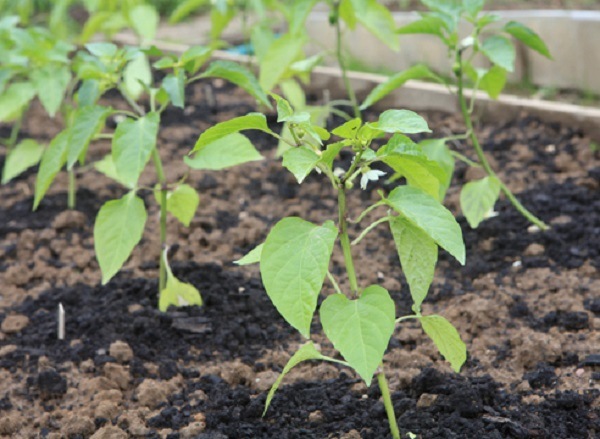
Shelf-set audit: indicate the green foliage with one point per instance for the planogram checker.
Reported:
(360, 329)
(446, 338)
(496, 45)
(133, 143)
(177, 293)
(294, 259)
(477, 199)
(117, 230)
(293, 265)
(225, 152)
(25, 155)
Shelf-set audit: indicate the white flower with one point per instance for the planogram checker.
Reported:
(371, 175)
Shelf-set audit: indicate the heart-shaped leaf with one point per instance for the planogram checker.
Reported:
(293, 266)
(360, 329)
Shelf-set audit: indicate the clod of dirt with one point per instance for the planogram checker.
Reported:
(51, 384)
(150, 393)
(109, 432)
(10, 424)
(14, 323)
(118, 374)
(77, 425)
(69, 219)
(543, 376)
(120, 351)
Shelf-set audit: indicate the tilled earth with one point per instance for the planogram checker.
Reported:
(527, 304)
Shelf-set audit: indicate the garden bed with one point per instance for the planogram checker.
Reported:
(526, 304)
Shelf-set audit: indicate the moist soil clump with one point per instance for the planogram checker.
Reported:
(525, 303)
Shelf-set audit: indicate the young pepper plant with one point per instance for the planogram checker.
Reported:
(120, 223)
(295, 257)
(494, 44)
(35, 63)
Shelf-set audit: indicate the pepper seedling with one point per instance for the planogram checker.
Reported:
(295, 257)
(477, 198)
(120, 223)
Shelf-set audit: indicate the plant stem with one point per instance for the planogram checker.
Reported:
(162, 276)
(387, 402)
(340, 59)
(480, 155)
(345, 240)
(72, 189)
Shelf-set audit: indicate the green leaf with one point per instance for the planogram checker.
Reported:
(293, 93)
(419, 172)
(419, 71)
(231, 150)
(493, 81)
(418, 255)
(185, 8)
(52, 161)
(500, 51)
(427, 213)
(240, 76)
(136, 73)
(251, 121)
(177, 293)
(349, 129)
(284, 110)
(332, 151)
(360, 329)
(87, 122)
(299, 10)
(426, 25)
(117, 230)
(378, 20)
(132, 146)
(182, 202)
(107, 167)
(304, 353)
(300, 161)
(477, 199)
(174, 85)
(51, 83)
(401, 121)
(438, 151)
(252, 257)
(14, 100)
(293, 266)
(282, 53)
(144, 21)
(473, 7)
(88, 93)
(102, 50)
(26, 154)
(528, 37)
(447, 340)
(195, 57)
(220, 19)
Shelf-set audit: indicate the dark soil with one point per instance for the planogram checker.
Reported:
(526, 304)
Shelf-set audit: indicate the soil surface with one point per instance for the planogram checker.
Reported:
(526, 304)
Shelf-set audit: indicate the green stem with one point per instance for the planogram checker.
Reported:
(387, 402)
(368, 229)
(162, 276)
(340, 59)
(345, 240)
(72, 189)
(481, 156)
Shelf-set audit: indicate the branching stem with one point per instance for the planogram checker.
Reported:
(479, 151)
